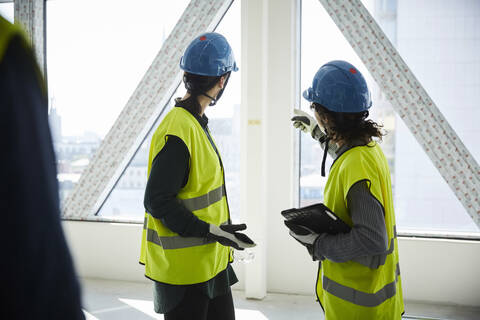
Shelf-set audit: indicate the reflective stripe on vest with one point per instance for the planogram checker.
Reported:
(175, 242)
(359, 297)
(204, 201)
(193, 204)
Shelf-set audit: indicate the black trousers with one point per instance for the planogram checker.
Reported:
(197, 306)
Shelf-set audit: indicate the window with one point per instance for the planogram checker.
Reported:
(439, 43)
(97, 52)
(6, 11)
(224, 124)
(224, 119)
(322, 41)
(125, 202)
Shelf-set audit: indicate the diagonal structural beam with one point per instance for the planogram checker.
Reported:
(410, 101)
(138, 116)
(31, 15)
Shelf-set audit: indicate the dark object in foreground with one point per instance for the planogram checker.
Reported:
(317, 218)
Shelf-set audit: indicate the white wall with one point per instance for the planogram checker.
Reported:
(441, 271)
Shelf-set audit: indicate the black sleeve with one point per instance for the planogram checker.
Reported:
(39, 280)
(169, 173)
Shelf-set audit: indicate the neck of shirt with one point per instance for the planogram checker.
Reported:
(347, 146)
(202, 119)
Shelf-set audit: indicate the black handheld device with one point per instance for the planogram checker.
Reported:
(317, 218)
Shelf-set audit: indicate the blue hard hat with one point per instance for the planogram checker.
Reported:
(209, 54)
(339, 87)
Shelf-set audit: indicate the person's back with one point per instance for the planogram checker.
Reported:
(38, 277)
(372, 288)
(358, 274)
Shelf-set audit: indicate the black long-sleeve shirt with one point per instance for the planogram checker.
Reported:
(38, 278)
(168, 174)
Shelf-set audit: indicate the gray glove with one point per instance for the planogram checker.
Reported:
(308, 124)
(229, 236)
(304, 122)
(306, 237)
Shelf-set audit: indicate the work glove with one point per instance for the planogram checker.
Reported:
(228, 235)
(306, 237)
(307, 124)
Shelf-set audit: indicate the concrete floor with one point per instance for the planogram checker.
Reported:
(105, 300)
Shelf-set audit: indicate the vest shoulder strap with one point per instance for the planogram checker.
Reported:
(360, 163)
(182, 124)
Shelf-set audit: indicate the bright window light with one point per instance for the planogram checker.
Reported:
(93, 69)
(439, 42)
(126, 199)
(6, 11)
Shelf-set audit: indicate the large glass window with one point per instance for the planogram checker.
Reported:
(438, 41)
(7, 10)
(125, 202)
(322, 41)
(225, 117)
(97, 52)
(126, 199)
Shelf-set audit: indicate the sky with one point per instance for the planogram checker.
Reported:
(322, 42)
(6, 10)
(94, 67)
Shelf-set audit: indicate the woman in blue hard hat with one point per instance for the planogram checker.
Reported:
(359, 275)
(188, 235)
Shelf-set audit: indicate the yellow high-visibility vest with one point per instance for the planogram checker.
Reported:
(7, 32)
(367, 287)
(168, 257)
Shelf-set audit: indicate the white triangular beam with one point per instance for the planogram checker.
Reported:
(410, 101)
(138, 116)
(31, 15)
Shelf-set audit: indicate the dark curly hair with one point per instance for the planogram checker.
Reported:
(345, 126)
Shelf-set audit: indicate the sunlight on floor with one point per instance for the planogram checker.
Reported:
(244, 314)
(146, 307)
(89, 316)
(117, 300)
